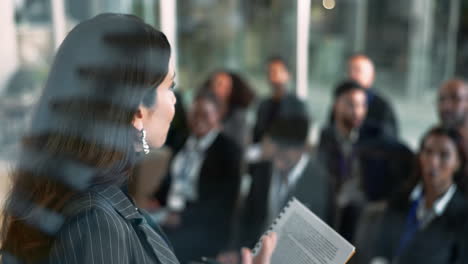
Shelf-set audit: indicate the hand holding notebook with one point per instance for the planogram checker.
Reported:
(302, 237)
(269, 242)
(263, 257)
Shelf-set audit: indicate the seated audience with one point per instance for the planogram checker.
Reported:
(235, 96)
(362, 167)
(338, 152)
(452, 104)
(452, 108)
(268, 109)
(427, 222)
(201, 191)
(381, 118)
(292, 171)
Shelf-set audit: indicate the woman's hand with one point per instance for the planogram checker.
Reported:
(264, 256)
(229, 257)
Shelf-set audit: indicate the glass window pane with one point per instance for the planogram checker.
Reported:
(236, 35)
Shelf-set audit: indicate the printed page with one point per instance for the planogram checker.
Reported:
(305, 238)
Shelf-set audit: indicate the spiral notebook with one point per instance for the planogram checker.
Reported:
(304, 238)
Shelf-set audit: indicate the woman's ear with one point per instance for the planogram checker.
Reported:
(138, 119)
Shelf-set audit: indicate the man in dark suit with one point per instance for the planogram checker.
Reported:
(337, 143)
(203, 185)
(292, 171)
(268, 109)
(362, 166)
(381, 116)
(452, 108)
(452, 104)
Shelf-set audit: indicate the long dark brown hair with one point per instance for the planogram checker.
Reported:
(242, 94)
(82, 134)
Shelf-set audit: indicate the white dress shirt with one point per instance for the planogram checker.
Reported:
(280, 186)
(426, 215)
(185, 170)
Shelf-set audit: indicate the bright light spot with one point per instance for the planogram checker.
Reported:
(329, 4)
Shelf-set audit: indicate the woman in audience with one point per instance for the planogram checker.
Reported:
(235, 95)
(427, 223)
(108, 96)
(203, 185)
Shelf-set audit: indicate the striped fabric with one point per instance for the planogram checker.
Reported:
(103, 226)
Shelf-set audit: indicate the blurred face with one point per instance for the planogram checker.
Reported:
(439, 161)
(285, 158)
(222, 86)
(203, 117)
(278, 74)
(351, 109)
(361, 70)
(453, 104)
(157, 119)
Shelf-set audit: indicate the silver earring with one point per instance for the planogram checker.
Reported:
(144, 143)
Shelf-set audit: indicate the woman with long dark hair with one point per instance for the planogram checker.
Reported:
(427, 223)
(235, 96)
(108, 99)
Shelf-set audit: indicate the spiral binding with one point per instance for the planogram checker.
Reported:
(273, 225)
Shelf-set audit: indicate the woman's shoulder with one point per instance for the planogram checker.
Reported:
(92, 231)
(86, 202)
(457, 210)
(90, 210)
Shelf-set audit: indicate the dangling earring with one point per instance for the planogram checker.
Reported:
(144, 143)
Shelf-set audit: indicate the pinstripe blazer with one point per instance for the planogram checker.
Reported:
(103, 226)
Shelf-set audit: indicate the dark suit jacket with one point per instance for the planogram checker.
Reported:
(312, 189)
(103, 226)
(443, 241)
(384, 162)
(380, 120)
(380, 116)
(269, 110)
(206, 223)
